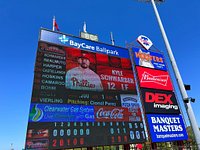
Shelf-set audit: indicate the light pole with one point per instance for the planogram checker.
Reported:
(177, 75)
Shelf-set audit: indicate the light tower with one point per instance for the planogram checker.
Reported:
(184, 95)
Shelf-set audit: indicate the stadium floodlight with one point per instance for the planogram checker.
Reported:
(184, 95)
(186, 100)
(155, 1)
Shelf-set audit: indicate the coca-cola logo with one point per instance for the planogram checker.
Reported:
(110, 114)
(161, 79)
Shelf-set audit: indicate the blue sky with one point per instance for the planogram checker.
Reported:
(127, 19)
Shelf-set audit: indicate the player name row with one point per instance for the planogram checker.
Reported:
(86, 102)
(51, 66)
(47, 55)
(80, 83)
(52, 61)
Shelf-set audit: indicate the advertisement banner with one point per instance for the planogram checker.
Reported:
(60, 113)
(159, 101)
(131, 102)
(155, 79)
(166, 128)
(149, 59)
(116, 114)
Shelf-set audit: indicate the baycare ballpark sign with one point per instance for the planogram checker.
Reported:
(165, 128)
(75, 42)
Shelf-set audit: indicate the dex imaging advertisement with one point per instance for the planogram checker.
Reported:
(165, 128)
(84, 95)
(159, 101)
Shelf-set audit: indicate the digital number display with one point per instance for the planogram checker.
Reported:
(83, 134)
(84, 95)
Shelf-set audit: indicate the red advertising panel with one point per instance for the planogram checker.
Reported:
(155, 79)
(116, 114)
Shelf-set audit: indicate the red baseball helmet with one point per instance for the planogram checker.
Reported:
(85, 55)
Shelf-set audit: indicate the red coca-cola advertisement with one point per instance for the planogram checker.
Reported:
(114, 114)
(155, 79)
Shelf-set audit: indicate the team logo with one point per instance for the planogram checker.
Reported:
(64, 39)
(36, 113)
(38, 133)
(129, 99)
(37, 144)
(144, 41)
(161, 79)
(82, 83)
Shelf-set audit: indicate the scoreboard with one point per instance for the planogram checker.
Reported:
(84, 94)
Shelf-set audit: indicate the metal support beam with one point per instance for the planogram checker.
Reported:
(184, 95)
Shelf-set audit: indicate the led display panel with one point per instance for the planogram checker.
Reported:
(84, 95)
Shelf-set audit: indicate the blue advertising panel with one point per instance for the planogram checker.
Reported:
(75, 42)
(60, 113)
(166, 128)
(149, 59)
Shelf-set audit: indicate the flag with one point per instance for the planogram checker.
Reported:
(84, 27)
(112, 39)
(55, 25)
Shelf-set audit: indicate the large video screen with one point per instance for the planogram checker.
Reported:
(84, 95)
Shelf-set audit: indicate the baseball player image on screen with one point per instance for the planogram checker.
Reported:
(82, 77)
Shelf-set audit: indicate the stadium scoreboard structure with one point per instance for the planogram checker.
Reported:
(84, 94)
